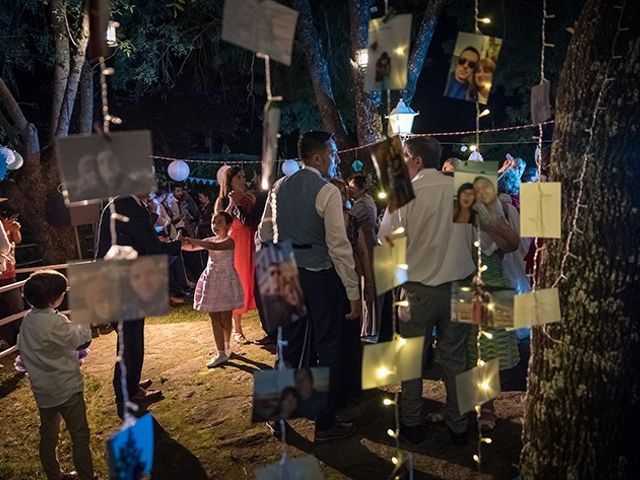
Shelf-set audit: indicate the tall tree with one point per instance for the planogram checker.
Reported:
(584, 377)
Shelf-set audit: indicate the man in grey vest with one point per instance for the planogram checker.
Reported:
(308, 211)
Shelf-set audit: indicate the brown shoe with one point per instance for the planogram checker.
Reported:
(147, 397)
(144, 384)
(339, 431)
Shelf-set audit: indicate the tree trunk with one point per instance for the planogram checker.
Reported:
(71, 89)
(584, 388)
(421, 47)
(319, 71)
(85, 117)
(368, 119)
(62, 59)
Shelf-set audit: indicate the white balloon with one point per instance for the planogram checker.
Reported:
(289, 167)
(8, 155)
(178, 170)
(222, 172)
(17, 162)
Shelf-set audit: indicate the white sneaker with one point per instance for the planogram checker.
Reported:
(240, 339)
(218, 360)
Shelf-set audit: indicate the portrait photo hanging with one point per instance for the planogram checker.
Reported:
(388, 53)
(473, 67)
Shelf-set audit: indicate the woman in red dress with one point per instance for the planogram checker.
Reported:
(235, 199)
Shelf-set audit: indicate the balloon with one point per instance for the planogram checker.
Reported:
(222, 172)
(289, 167)
(178, 170)
(17, 163)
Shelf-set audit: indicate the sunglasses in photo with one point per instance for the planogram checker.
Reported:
(463, 61)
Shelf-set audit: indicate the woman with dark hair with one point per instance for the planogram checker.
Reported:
(235, 199)
(463, 208)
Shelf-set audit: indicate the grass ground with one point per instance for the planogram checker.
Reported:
(204, 429)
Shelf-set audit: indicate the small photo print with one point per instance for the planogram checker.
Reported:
(390, 265)
(478, 385)
(392, 362)
(491, 308)
(540, 102)
(270, 127)
(475, 190)
(94, 167)
(262, 26)
(289, 393)
(279, 285)
(388, 158)
(537, 308)
(473, 67)
(113, 290)
(388, 53)
(299, 468)
(130, 451)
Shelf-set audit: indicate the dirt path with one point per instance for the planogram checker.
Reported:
(203, 426)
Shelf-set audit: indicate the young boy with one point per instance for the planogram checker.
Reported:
(49, 344)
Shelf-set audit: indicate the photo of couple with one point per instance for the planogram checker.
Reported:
(475, 191)
(472, 67)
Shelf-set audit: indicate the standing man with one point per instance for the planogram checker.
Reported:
(139, 234)
(437, 254)
(461, 78)
(309, 212)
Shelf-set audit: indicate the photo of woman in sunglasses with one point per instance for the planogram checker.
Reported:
(472, 67)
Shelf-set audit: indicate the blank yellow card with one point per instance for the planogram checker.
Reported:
(392, 362)
(390, 265)
(540, 209)
(478, 385)
(536, 308)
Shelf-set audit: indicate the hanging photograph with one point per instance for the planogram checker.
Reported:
(540, 102)
(288, 393)
(475, 191)
(113, 290)
(270, 126)
(392, 362)
(390, 265)
(388, 159)
(130, 451)
(478, 385)
(299, 468)
(262, 26)
(279, 285)
(388, 53)
(491, 307)
(472, 67)
(536, 308)
(540, 214)
(95, 167)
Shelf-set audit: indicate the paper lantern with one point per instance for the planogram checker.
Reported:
(289, 167)
(222, 172)
(178, 170)
(17, 162)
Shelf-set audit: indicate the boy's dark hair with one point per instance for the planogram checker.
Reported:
(310, 142)
(226, 215)
(427, 148)
(44, 287)
(361, 181)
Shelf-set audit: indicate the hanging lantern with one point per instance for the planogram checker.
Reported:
(112, 39)
(401, 119)
(289, 167)
(178, 170)
(17, 162)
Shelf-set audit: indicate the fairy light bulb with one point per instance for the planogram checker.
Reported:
(486, 440)
(397, 231)
(387, 402)
(485, 20)
(394, 460)
(382, 195)
(473, 148)
(476, 458)
(487, 334)
(484, 385)
(484, 113)
(392, 433)
(383, 372)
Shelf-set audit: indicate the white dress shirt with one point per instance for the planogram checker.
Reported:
(48, 344)
(329, 207)
(438, 250)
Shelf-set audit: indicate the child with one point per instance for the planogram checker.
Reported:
(49, 345)
(219, 290)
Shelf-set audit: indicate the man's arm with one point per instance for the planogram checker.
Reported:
(144, 237)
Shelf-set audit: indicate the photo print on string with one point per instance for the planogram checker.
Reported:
(299, 468)
(388, 159)
(475, 191)
(288, 393)
(392, 362)
(388, 53)
(96, 167)
(262, 26)
(390, 264)
(537, 308)
(478, 385)
(493, 307)
(113, 290)
(279, 285)
(130, 451)
(540, 102)
(270, 127)
(473, 67)
(540, 209)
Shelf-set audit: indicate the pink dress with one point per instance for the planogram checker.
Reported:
(219, 288)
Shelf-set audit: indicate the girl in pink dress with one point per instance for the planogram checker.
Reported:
(218, 290)
(236, 200)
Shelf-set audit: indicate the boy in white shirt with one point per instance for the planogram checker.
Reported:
(49, 344)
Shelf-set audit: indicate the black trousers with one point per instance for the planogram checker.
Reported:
(322, 344)
(258, 299)
(133, 337)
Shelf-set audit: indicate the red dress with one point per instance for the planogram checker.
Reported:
(244, 262)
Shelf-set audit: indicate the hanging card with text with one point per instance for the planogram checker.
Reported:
(390, 265)
(540, 213)
(536, 308)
